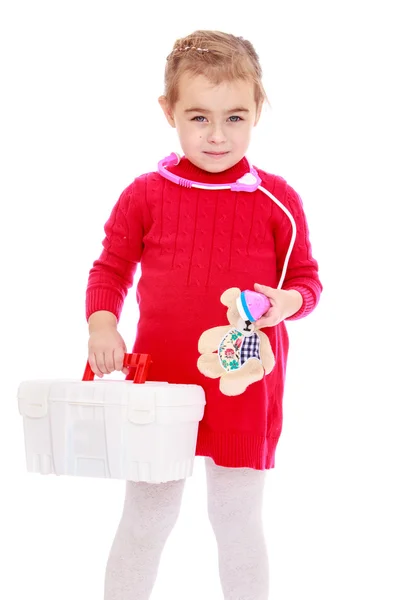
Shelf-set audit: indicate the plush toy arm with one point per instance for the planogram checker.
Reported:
(210, 340)
(266, 354)
(209, 365)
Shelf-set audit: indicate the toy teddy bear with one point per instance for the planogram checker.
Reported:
(237, 353)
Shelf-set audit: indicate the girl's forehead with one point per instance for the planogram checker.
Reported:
(198, 88)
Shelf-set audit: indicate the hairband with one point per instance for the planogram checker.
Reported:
(185, 49)
(191, 48)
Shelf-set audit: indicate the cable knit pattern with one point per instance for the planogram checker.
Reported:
(193, 245)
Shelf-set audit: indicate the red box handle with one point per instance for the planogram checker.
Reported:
(138, 365)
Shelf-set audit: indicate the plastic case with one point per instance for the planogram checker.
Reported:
(111, 429)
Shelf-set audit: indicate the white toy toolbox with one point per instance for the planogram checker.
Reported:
(129, 429)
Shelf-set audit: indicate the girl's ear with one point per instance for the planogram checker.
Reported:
(167, 111)
(228, 298)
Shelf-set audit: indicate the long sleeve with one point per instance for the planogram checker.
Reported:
(302, 272)
(112, 273)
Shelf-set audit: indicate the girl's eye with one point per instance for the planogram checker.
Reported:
(232, 119)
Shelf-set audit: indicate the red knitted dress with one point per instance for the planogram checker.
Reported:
(193, 245)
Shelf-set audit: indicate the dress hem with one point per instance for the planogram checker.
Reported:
(235, 450)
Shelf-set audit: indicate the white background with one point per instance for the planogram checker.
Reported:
(79, 120)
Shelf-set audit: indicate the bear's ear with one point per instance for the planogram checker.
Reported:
(229, 296)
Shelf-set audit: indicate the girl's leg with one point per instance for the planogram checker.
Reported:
(235, 511)
(149, 515)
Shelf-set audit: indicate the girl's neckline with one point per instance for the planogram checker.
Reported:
(188, 170)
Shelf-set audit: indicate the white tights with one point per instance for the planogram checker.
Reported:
(150, 514)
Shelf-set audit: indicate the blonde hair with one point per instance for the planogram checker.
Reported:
(216, 55)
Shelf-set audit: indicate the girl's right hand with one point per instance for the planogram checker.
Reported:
(106, 350)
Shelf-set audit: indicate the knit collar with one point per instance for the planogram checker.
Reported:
(188, 170)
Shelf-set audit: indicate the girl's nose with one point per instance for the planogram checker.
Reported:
(216, 136)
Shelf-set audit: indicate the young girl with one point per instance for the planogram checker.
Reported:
(193, 244)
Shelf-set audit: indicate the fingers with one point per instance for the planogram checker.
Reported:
(103, 363)
(106, 350)
(264, 289)
(93, 365)
(109, 361)
(119, 359)
(271, 319)
(119, 355)
(274, 315)
(265, 322)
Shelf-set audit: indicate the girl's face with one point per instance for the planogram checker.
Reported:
(214, 123)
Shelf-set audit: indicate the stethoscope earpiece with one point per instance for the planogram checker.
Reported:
(175, 159)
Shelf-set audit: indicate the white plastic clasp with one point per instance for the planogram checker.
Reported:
(33, 399)
(142, 410)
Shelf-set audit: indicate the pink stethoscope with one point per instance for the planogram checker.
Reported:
(251, 305)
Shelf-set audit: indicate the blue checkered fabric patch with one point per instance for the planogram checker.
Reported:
(250, 348)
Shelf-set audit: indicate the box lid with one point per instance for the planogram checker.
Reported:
(34, 395)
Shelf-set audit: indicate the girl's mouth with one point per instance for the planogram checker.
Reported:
(216, 154)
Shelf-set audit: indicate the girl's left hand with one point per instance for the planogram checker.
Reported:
(284, 304)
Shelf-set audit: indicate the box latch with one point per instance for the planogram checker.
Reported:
(33, 401)
(142, 409)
